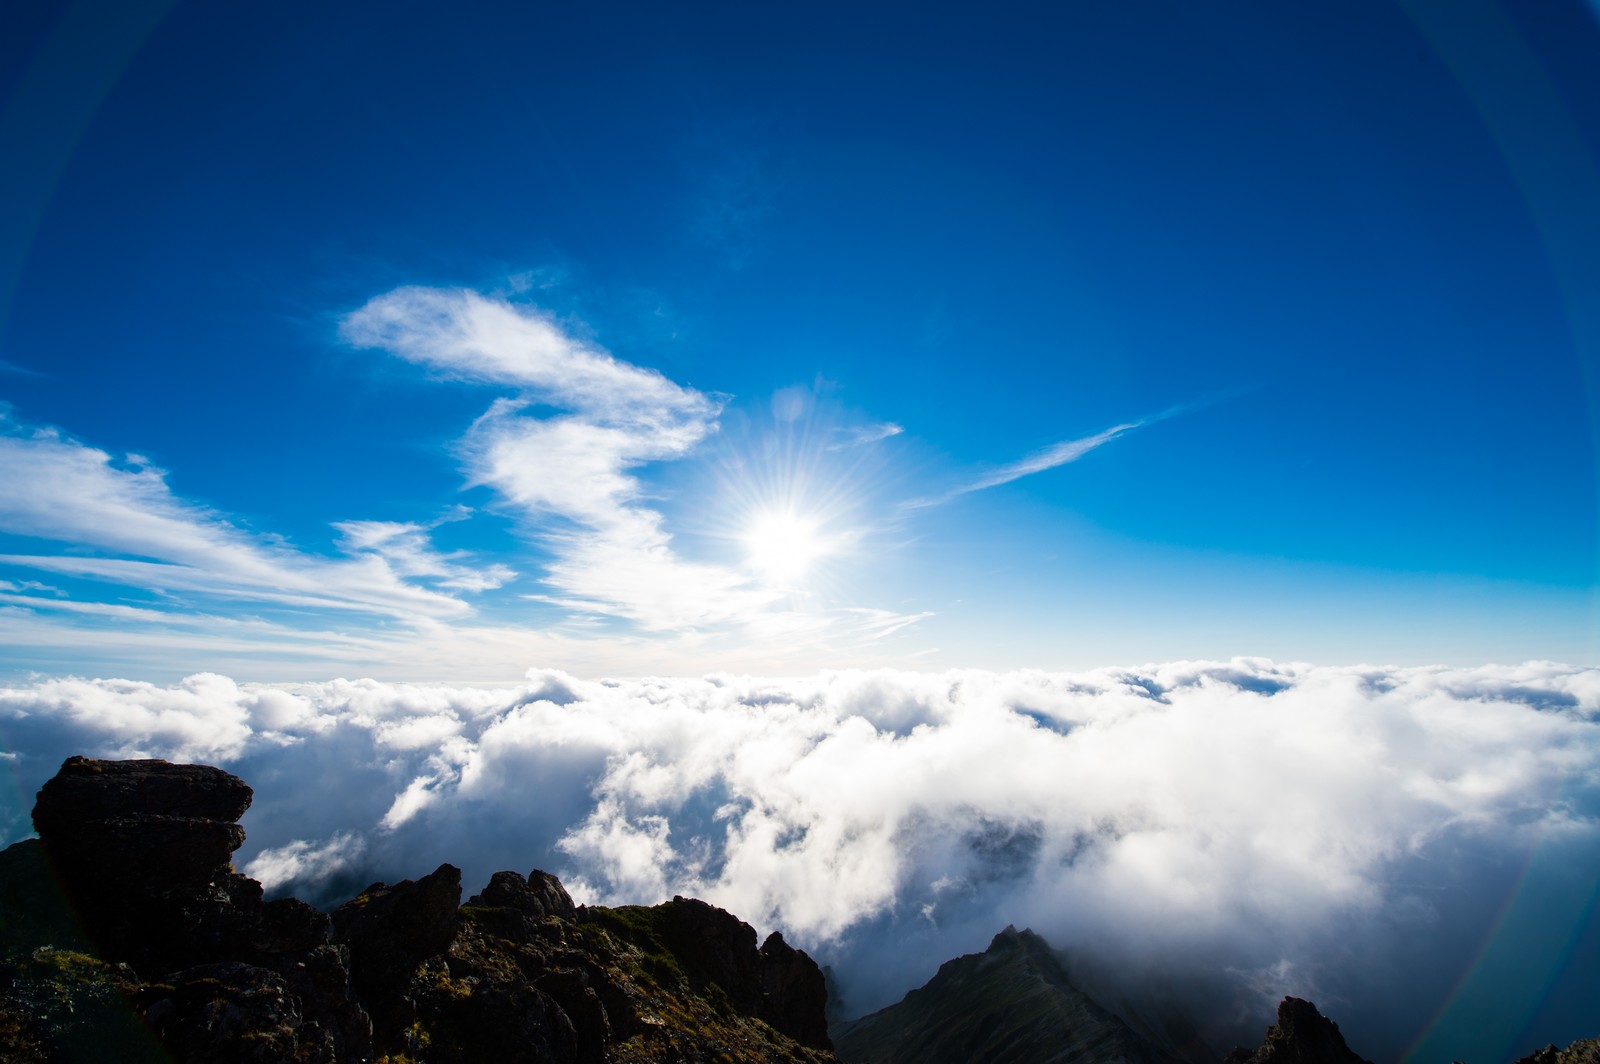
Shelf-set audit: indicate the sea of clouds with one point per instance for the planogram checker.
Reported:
(1213, 834)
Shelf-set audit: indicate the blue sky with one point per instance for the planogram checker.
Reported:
(624, 340)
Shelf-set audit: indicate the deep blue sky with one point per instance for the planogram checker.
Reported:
(1353, 255)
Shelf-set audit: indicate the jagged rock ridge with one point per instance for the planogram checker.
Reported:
(153, 949)
(1302, 1035)
(1583, 1051)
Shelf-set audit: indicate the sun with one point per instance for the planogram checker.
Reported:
(780, 546)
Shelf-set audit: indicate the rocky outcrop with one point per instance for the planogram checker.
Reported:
(153, 948)
(1583, 1051)
(143, 849)
(1302, 1035)
(389, 932)
(1012, 1004)
(540, 894)
(713, 948)
(142, 852)
(233, 1012)
(794, 992)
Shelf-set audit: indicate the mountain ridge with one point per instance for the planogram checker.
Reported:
(125, 929)
(1012, 1002)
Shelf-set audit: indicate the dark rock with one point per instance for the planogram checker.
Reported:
(713, 946)
(505, 1020)
(1583, 1051)
(321, 979)
(231, 1012)
(164, 828)
(540, 895)
(507, 959)
(155, 855)
(390, 930)
(553, 897)
(289, 927)
(142, 849)
(794, 993)
(63, 1006)
(86, 789)
(573, 989)
(1302, 1035)
(1012, 1004)
(34, 910)
(782, 987)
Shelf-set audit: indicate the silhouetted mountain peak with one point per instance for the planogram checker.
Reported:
(1012, 939)
(1012, 1003)
(1302, 1035)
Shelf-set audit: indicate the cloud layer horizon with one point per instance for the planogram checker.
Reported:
(1223, 832)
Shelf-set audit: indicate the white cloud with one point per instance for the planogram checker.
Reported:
(861, 435)
(301, 860)
(463, 334)
(206, 717)
(571, 475)
(1050, 457)
(615, 556)
(418, 795)
(1057, 454)
(44, 638)
(56, 488)
(405, 546)
(1210, 823)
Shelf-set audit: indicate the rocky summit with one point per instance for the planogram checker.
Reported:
(1583, 1051)
(126, 935)
(1011, 1004)
(1302, 1035)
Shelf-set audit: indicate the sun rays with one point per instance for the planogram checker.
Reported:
(781, 546)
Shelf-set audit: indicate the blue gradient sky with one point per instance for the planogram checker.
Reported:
(1315, 292)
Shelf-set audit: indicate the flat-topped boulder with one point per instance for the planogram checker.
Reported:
(145, 826)
(143, 851)
(87, 789)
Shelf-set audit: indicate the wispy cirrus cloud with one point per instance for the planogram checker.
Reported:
(406, 547)
(861, 435)
(124, 525)
(1057, 454)
(1051, 457)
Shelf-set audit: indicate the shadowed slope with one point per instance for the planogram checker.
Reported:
(1012, 1003)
